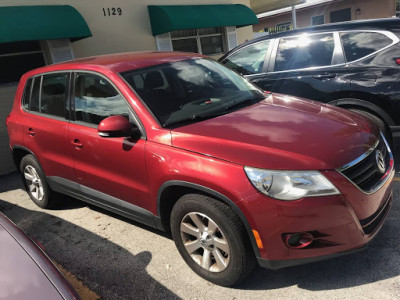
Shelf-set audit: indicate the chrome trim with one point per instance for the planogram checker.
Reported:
(388, 34)
(357, 160)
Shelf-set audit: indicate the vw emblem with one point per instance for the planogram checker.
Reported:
(380, 161)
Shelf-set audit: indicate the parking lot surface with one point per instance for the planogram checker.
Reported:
(121, 259)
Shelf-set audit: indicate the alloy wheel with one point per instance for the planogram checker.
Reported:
(205, 242)
(33, 182)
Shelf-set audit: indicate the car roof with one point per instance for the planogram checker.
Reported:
(377, 24)
(386, 23)
(118, 62)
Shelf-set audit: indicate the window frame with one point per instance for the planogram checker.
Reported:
(39, 113)
(132, 114)
(338, 53)
(337, 56)
(312, 17)
(198, 37)
(397, 6)
(388, 34)
(71, 89)
(67, 96)
(267, 57)
(19, 53)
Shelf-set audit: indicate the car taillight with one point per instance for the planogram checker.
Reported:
(397, 61)
(7, 119)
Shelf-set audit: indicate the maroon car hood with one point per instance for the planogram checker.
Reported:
(20, 276)
(281, 132)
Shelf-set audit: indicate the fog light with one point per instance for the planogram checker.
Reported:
(298, 240)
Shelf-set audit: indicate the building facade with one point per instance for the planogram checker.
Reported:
(34, 33)
(326, 11)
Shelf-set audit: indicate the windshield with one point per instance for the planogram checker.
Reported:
(191, 90)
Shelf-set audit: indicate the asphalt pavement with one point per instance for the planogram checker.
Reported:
(121, 259)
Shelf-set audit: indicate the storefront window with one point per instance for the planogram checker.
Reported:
(206, 41)
(18, 58)
(398, 8)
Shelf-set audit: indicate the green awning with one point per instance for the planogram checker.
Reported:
(166, 18)
(28, 23)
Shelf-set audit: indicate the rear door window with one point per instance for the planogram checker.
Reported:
(248, 60)
(357, 45)
(54, 94)
(304, 51)
(35, 94)
(27, 93)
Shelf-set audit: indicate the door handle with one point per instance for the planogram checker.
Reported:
(31, 132)
(77, 144)
(324, 76)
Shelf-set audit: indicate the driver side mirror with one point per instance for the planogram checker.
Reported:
(117, 126)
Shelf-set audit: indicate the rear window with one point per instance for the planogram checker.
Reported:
(304, 51)
(357, 45)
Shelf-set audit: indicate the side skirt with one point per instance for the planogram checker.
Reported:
(102, 200)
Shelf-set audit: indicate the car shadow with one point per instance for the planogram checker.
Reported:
(121, 270)
(379, 261)
(106, 268)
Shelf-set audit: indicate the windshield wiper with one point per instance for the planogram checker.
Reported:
(195, 118)
(242, 103)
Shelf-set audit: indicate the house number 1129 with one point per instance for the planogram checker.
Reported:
(112, 11)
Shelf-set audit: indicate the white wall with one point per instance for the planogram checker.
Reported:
(129, 32)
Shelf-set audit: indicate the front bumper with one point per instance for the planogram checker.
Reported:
(341, 224)
(279, 264)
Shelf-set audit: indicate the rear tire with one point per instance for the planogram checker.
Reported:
(211, 239)
(35, 182)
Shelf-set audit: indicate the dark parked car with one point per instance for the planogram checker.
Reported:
(181, 143)
(354, 65)
(25, 270)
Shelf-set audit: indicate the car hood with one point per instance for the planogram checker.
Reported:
(20, 275)
(281, 132)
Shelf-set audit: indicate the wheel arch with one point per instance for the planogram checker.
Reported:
(171, 191)
(364, 105)
(18, 152)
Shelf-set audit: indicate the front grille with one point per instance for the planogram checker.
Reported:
(365, 173)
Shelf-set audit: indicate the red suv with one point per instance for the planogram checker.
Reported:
(179, 142)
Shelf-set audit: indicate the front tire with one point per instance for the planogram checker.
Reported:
(35, 182)
(211, 239)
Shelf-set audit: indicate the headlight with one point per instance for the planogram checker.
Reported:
(290, 185)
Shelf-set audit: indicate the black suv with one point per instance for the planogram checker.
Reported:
(355, 65)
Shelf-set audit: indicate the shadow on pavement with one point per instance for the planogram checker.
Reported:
(106, 268)
(110, 270)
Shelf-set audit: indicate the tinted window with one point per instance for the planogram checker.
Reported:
(54, 94)
(304, 51)
(359, 44)
(341, 15)
(249, 60)
(18, 58)
(96, 99)
(27, 93)
(191, 90)
(34, 103)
